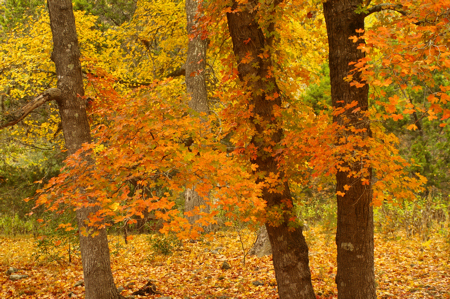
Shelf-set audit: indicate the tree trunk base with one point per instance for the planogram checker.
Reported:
(262, 245)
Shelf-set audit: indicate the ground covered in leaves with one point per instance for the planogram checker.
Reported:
(405, 268)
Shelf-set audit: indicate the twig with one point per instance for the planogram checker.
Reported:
(242, 244)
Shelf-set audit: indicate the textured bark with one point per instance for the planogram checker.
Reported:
(196, 89)
(98, 279)
(354, 238)
(262, 244)
(290, 251)
(196, 61)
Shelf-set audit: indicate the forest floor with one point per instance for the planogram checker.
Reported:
(405, 268)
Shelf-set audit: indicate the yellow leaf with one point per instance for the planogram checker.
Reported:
(114, 206)
(412, 127)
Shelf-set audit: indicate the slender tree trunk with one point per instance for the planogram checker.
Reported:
(196, 60)
(290, 251)
(354, 238)
(98, 279)
(196, 89)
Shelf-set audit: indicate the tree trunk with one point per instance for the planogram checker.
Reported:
(290, 251)
(262, 244)
(196, 89)
(98, 279)
(193, 200)
(196, 60)
(354, 238)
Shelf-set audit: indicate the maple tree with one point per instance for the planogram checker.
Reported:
(289, 248)
(94, 248)
(355, 221)
(354, 236)
(66, 56)
(195, 79)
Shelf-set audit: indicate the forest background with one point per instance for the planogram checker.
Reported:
(133, 57)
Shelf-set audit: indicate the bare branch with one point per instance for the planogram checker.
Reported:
(386, 6)
(18, 115)
(178, 72)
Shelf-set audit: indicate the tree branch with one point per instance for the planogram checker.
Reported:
(130, 83)
(178, 72)
(386, 6)
(18, 115)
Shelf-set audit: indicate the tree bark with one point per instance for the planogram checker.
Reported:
(196, 89)
(290, 251)
(354, 238)
(196, 60)
(98, 279)
(262, 244)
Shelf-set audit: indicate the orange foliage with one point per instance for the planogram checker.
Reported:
(410, 46)
(142, 161)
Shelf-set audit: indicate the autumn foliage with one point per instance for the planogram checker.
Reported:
(149, 146)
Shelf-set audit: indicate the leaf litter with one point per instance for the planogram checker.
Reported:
(404, 268)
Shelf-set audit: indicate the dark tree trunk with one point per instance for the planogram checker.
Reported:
(290, 251)
(196, 89)
(354, 238)
(98, 279)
